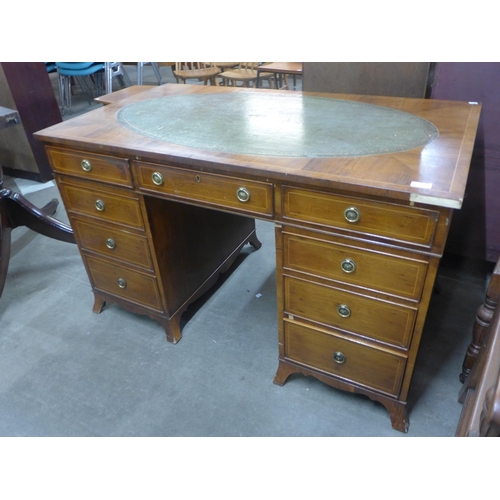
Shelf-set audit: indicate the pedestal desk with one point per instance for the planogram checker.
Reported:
(162, 189)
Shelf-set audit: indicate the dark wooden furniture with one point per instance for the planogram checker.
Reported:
(358, 237)
(399, 79)
(16, 211)
(476, 232)
(480, 393)
(483, 319)
(26, 88)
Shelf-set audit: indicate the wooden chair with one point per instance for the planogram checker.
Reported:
(247, 74)
(224, 66)
(480, 375)
(483, 319)
(202, 71)
(480, 393)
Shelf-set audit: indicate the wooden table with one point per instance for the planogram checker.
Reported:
(279, 69)
(162, 189)
(16, 211)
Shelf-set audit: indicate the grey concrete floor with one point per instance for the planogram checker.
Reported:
(66, 371)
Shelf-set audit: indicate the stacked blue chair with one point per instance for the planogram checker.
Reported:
(88, 75)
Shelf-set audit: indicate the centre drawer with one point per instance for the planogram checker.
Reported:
(343, 261)
(359, 363)
(390, 221)
(122, 282)
(372, 318)
(215, 190)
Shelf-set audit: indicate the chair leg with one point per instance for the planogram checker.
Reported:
(61, 83)
(157, 73)
(140, 72)
(89, 89)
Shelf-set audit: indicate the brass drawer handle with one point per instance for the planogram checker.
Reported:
(110, 243)
(339, 357)
(86, 165)
(343, 310)
(122, 283)
(157, 178)
(352, 215)
(99, 204)
(243, 194)
(348, 266)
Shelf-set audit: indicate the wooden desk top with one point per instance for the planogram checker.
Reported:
(433, 174)
(290, 68)
(122, 94)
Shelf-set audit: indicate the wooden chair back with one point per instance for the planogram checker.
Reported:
(202, 71)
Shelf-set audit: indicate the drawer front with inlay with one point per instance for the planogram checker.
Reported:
(379, 271)
(371, 318)
(125, 283)
(407, 224)
(111, 242)
(373, 368)
(91, 166)
(107, 206)
(225, 192)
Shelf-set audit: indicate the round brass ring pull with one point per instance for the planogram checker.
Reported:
(348, 266)
(343, 310)
(122, 283)
(243, 194)
(352, 215)
(110, 243)
(339, 357)
(86, 165)
(157, 178)
(99, 204)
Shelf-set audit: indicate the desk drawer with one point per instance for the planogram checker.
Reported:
(364, 365)
(369, 317)
(95, 167)
(377, 271)
(125, 283)
(214, 190)
(111, 242)
(106, 206)
(391, 221)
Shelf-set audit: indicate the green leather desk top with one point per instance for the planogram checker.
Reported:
(277, 125)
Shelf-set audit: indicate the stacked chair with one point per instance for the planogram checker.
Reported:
(94, 78)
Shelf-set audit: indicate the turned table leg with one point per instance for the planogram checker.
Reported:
(483, 319)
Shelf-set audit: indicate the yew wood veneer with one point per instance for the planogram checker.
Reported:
(358, 236)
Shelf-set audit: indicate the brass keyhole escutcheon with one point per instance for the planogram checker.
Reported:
(243, 194)
(339, 357)
(86, 165)
(122, 283)
(352, 215)
(348, 266)
(343, 310)
(110, 243)
(99, 204)
(157, 178)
